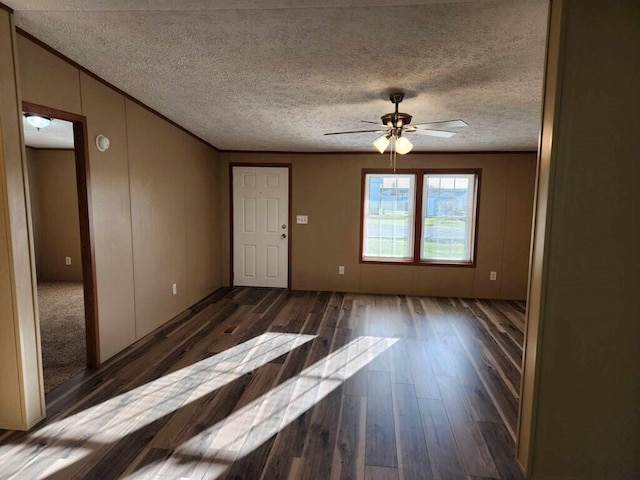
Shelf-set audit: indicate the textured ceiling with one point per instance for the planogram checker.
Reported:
(277, 74)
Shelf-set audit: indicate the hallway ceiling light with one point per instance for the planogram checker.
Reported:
(37, 121)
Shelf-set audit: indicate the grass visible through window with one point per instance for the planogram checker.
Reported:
(445, 248)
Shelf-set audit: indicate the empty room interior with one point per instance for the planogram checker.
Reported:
(55, 221)
(319, 240)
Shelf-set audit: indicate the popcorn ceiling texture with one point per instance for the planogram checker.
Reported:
(279, 75)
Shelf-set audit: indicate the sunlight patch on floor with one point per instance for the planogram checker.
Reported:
(248, 428)
(114, 419)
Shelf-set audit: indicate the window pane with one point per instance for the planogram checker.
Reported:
(448, 213)
(388, 216)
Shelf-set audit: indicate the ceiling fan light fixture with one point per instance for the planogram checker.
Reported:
(396, 124)
(403, 145)
(37, 121)
(382, 142)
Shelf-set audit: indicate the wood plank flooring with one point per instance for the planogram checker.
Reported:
(263, 384)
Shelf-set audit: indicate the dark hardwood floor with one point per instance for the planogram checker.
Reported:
(272, 384)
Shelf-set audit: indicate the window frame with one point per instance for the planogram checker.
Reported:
(418, 209)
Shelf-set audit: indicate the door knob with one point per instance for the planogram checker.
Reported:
(284, 235)
(284, 226)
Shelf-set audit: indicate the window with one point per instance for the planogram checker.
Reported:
(440, 230)
(388, 217)
(448, 217)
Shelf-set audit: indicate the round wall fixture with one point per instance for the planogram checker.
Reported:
(102, 143)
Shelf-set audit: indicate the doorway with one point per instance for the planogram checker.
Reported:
(58, 171)
(260, 217)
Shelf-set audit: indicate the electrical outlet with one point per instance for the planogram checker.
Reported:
(493, 275)
(67, 260)
(341, 270)
(174, 288)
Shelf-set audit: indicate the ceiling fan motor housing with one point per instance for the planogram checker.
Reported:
(396, 119)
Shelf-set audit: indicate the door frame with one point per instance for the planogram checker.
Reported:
(231, 239)
(83, 181)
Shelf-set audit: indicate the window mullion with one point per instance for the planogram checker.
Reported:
(417, 217)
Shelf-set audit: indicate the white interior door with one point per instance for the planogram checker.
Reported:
(260, 226)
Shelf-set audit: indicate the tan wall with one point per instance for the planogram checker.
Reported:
(158, 217)
(37, 68)
(327, 188)
(154, 201)
(202, 217)
(11, 414)
(32, 171)
(584, 372)
(56, 224)
(21, 395)
(111, 206)
(185, 235)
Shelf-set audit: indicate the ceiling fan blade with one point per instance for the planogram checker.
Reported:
(433, 133)
(357, 131)
(445, 124)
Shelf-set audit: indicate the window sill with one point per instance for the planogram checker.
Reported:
(446, 263)
(388, 261)
(421, 263)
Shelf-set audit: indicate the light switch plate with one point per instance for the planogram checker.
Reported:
(302, 219)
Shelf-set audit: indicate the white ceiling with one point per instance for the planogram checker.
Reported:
(277, 74)
(59, 134)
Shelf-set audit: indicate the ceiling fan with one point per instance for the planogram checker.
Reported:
(395, 125)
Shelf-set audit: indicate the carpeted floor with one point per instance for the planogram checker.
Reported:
(62, 331)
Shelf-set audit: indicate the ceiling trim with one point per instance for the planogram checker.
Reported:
(63, 57)
(414, 152)
(6, 7)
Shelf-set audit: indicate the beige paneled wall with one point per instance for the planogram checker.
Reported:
(202, 224)
(327, 188)
(33, 197)
(21, 395)
(111, 206)
(581, 396)
(519, 211)
(491, 229)
(11, 411)
(56, 225)
(46, 80)
(158, 217)
(154, 197)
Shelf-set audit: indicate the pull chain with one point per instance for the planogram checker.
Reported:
(393, 155)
